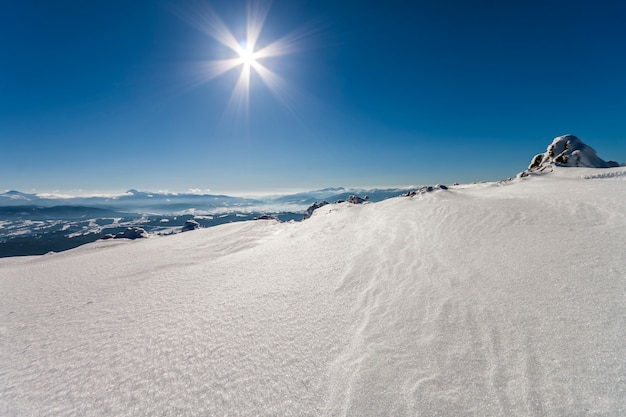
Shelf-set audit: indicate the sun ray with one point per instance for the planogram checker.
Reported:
(205, 19)
(270, 78)
(289, 43)
(222, 34)
(214, 69)
(240, 97)
(256, 15)
(276, 84)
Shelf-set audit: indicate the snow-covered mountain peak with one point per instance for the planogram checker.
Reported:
(15, 196)
(135, 193)
(568, 151)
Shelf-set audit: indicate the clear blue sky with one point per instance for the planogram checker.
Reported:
(105, 95)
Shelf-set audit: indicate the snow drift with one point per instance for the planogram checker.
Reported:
(485, 299)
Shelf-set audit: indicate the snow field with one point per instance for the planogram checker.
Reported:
(485, 300)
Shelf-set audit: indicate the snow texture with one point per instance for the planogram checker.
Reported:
(481, 300)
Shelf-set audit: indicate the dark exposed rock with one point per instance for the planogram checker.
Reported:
(425, 189)
(312, 208)
(190, 225)
(130, 233)
(536, 161)
(266, 217)
(355, 199)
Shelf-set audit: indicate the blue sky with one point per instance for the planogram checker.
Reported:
(107, 95)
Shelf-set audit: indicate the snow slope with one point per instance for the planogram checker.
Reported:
(482, 300)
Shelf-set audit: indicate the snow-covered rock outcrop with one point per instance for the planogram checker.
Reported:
(355, 199)
(266, 217)
(352, 199)
(568, 151)
(425, 189)
(190, 225)
(129, 233)
(312, 208)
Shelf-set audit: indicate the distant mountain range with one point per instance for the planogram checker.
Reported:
(132, 201)
(171, 203)
(331, 195)
(32, 224)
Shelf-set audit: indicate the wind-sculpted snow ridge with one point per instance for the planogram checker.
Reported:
(476, 301)
(567, 151)
(610, 174)
(425, 189)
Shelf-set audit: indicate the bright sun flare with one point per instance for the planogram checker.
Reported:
(247, 55)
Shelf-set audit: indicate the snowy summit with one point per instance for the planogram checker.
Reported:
(491, 299)
(569, 151)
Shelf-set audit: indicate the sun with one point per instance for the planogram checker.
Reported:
(247, 56)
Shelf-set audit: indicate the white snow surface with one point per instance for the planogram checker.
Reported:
(483, 300)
